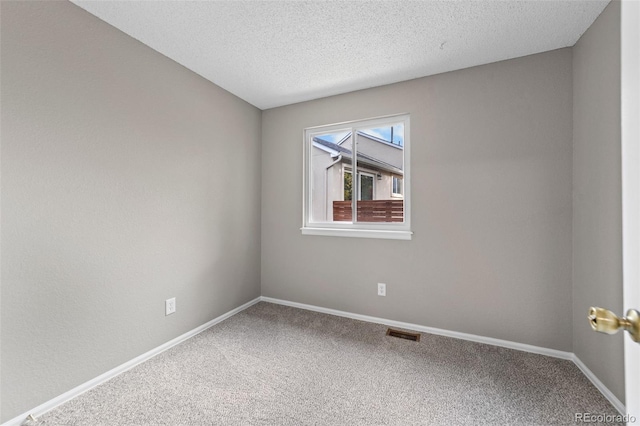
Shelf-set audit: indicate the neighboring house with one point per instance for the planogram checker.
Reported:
(380, 172)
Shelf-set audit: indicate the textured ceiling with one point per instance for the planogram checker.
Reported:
(273, 53)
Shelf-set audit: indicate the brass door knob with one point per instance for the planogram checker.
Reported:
(605, 321)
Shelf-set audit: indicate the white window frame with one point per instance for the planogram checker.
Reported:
(344, 172)
(373, 184)
(394, 230)
(397, 194)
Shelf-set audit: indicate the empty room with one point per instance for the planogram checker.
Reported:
(308, 212)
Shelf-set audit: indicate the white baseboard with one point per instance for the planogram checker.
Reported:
(599, 385)
(53, 403)
(441, 332)
(465, 336)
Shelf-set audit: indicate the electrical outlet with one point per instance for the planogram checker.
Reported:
(382, 289)
(169, 306)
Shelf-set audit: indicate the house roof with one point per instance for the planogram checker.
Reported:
(362, 158)
(331, 145)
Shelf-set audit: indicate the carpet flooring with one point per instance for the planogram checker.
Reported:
(277, 365)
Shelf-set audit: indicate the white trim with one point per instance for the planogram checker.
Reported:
(406, 172)
(78, 390)
(630, 150)
(373, 185)
(439, 331)
(399, 179)
(393, 230)
(344, 125)
(465, 336)
(358, 233)
(599, 385)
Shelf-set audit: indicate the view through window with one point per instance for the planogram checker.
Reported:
(360, 167)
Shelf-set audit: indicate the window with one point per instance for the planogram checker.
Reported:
(348, 185)
(361, 167)
(365, 182)
(366, 186)
(396, 186)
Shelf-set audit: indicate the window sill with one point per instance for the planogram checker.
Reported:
(358, 233)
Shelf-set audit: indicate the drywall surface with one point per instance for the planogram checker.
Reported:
(491, 208)
(126, 180)
(597, 202)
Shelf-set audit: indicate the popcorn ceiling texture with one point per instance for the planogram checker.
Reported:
(277, 53)
(277, 365)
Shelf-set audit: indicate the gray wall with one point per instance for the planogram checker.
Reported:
(597, 212)
(126, 180)
(491, 171)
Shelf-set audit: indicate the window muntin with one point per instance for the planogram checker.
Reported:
(380, 157)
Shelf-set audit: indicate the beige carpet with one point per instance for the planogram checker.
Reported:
(276, 365)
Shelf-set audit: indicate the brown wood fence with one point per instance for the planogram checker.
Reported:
(370, 211)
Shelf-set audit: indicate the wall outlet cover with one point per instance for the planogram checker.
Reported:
(170, 306)
(382, 289)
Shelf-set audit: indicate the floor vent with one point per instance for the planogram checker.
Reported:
(403, 335)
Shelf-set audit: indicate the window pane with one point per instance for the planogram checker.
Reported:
(366, 187)
(380, 164)
(397, 186)
(330, 184)
(348, 186)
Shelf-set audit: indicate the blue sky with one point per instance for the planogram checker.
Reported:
(380, 132)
